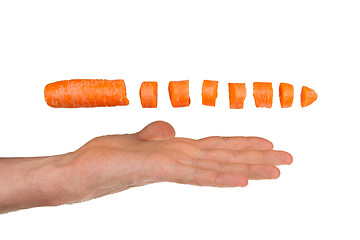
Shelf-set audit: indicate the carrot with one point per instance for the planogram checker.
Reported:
(78, 93)
(148, 94)
(286, 95)
(237, 95)
(179, 93)
(263, 94)
(308, 96)
(209, 92)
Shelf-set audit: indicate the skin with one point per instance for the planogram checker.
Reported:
(114, 163)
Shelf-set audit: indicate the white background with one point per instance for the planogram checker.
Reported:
(313, 43)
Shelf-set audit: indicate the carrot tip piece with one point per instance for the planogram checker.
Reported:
(308, 96)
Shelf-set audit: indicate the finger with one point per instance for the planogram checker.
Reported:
(250, 171)
(272, 157)
(158, 130)
(186, 174)
(235, 143)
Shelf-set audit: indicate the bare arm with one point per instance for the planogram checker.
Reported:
(31, 182)
(110, 164)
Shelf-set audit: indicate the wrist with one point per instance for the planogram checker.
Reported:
(52, 181)
(34, 182)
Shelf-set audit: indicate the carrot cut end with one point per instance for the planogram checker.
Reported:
(78, 93)
(308, 96)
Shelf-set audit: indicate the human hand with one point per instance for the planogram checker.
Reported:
(113, 163)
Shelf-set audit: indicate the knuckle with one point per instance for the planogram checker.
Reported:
(195, 179)
(211, 141)
(233, 154)
(203, 153)
(216, 180)
(221, 166)
(183, 146)
(248, 140)
(246, 169)
(177, 144)
(257, 156)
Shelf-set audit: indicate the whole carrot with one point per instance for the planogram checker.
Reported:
(77, 93)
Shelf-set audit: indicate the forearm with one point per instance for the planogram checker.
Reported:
(33, 182)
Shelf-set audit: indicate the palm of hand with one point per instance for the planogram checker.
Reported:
(114, 163)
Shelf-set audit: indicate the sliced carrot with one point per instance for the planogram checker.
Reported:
(308, 96)
(286, 95)
(209, 92)
(148, 94)
(179, 93)
(237, 95)
(263, 94)
(78, 93)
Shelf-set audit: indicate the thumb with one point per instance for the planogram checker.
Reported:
(158, 130)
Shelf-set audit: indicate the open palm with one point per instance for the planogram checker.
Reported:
(114, 163)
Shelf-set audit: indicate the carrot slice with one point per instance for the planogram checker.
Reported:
(209, 92)
(286, 95)
(263, 94)
(78, 93)
(179, 93)
(308, 96)
(148, 94)
(237, 95)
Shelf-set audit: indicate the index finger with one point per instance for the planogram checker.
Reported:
(235, 143)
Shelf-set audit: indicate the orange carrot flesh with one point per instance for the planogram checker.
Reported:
(148, 94)
(209, 92)
(286, 95)
(263, 94)
(179, 93)
(237, 95)
(308, 96)
(77, 93)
